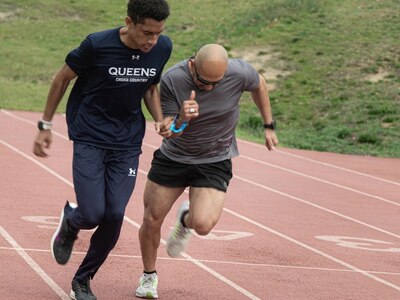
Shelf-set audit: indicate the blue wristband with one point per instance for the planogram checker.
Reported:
(180, 129)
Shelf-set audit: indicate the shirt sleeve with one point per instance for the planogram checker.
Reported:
(81, 58)
(169, 102)
(250, 76)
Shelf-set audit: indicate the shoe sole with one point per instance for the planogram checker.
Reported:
(53, 238)
(184, 206)
(147, 296)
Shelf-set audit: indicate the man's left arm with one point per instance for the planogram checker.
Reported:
(261, 99)
(153, 104)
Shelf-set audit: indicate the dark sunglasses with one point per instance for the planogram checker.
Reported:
(204, 81)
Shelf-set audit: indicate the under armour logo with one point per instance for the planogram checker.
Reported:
(132, 172)
(135, 57)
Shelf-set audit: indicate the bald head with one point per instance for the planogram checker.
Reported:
(211, 61)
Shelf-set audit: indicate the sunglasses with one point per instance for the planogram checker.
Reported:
(204, 81)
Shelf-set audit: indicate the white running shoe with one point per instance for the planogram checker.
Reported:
(147, 286)
(180, 235)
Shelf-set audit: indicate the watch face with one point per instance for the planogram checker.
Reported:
(43, 126)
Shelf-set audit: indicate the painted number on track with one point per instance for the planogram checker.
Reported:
(220, 235)
(223, 235)
(359, 243)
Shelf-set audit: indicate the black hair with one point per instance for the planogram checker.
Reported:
(138, 10)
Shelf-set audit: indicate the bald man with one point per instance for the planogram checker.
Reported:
(201, 95)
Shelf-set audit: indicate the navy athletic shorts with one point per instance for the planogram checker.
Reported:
(167, 172)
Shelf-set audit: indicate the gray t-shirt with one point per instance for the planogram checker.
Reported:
(210, 137)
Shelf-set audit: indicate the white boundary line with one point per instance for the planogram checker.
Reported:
(322, 163)
(46, 278)
(314, 205)
(217, 262)
(224, 279)
(306, 176)
(321, 180)
(130, 221)
(269, 164)
(302, 201)
(257, 146)
(202, 266)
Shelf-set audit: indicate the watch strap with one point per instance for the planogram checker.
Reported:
(271, 125)
(44, 125)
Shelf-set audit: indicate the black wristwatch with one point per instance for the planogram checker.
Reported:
(44, 125)
(270, 125)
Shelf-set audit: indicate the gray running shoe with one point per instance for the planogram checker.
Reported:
(180, 235)
(147, 286)
(64, 237)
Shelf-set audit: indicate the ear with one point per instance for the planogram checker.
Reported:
(128, 21)
(191, 63)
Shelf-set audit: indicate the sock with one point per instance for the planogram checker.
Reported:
(149, 273)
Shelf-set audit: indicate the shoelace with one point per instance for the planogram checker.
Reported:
(84, 287)
(181, 232)
(149, 282)
(68, 236)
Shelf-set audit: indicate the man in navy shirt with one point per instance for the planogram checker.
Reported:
(115, 70)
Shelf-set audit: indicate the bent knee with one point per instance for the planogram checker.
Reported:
(203, 228)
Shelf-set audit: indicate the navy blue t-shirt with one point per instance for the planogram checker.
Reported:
(104, 107)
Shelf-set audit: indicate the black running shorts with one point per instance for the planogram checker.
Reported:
(167, 172)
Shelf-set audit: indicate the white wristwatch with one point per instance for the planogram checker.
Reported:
(44, 125)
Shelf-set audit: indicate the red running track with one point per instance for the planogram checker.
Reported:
(296, 225)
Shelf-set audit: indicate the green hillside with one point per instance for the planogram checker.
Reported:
(333, 66)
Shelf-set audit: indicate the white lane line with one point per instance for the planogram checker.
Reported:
(33, 160)
(321, 180)
(209, 270)
(14, 116)
(220, 262)
(330, 257)
(323, 163)
(309, 247)
(251, 144)
(50, 282)
(268, 164)
(309, 177)
(305, 202)
(204, 267)
(316, 206)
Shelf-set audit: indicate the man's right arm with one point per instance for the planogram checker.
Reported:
(57, 90)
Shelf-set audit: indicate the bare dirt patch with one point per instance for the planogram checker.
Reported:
(262, 59)
(7, 15)
(381, 75)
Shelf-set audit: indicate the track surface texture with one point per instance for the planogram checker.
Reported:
(296, 225)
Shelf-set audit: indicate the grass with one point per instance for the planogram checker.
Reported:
(342, 60)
